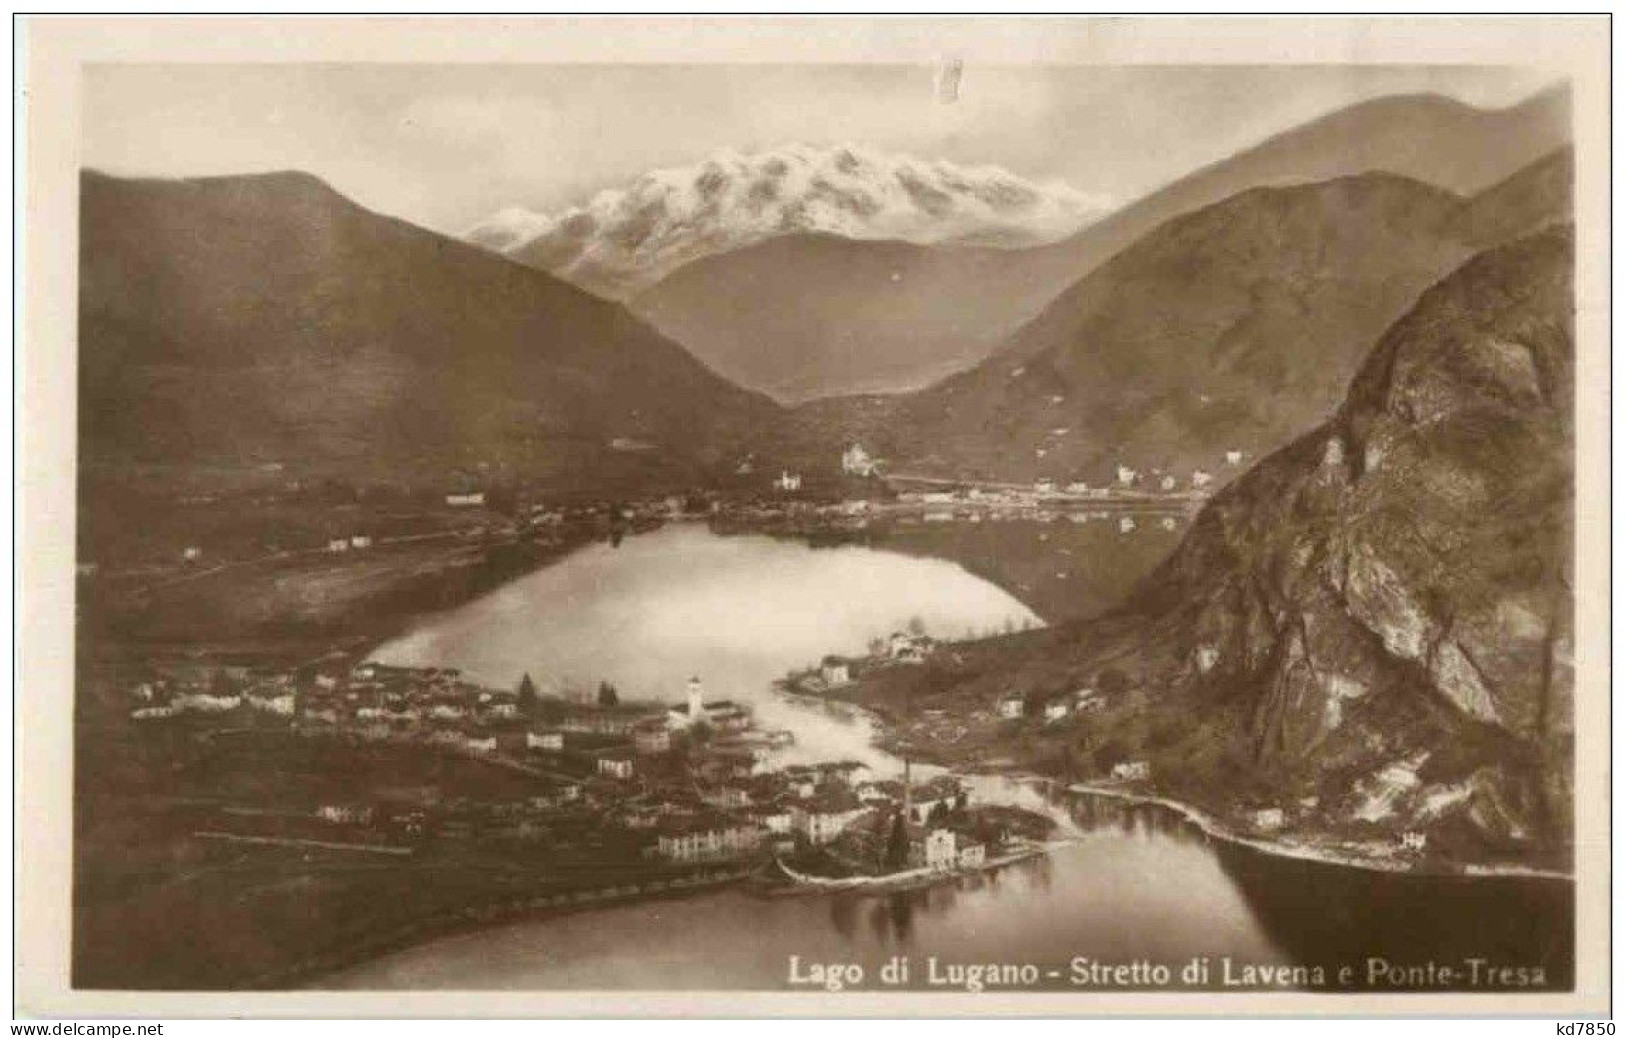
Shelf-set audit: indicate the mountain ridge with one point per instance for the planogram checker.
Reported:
(860, 336)
(268, 316)
(626, 238)
(1364, 645)
(1231, 328)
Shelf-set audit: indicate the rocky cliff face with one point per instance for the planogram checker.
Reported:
(1367, 637)
(1377, 618)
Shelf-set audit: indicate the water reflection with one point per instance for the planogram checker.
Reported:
(1136, 882)
(739, 611)
(1319, 911)
(1063, 566)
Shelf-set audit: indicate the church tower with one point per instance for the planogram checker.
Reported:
(696, 701)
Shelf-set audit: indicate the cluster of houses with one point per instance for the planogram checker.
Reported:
(905, 648)
(723, 797)
(855, 461)
(813, 806)
(1125, 479)
(213, 691)
(1054, 708)
(693, 781)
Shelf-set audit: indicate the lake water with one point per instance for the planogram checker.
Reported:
(738, 612)
(1137, 886)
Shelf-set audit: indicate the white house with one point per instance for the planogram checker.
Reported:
(788, 482)
(835, 671)
(1201, 478)
(1127, 477)
(934, 849)
(615, 767)
(551, 742)
(360, 540)
(1056, 709)
(503, 710)
(1126, 524)
(338, 544)
(700, 839)
(1232, 457)
(909, 648)
(972, 855)
(1168, 483)
(279, 704)
(203, 703)
(1413, 841)
(1132, 771)
(1012, 707)
(1269, 819)
(473, 499)
(1207, 657)
(359, 814)
(192, 553)
(726, 796)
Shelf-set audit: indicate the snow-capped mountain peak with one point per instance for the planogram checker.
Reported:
(626, 238)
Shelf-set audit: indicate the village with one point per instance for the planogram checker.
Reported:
(1088, 724)
(300, 525)
(626, 784)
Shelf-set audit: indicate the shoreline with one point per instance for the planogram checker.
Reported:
(909, 879)
(471, 919)
(1276, 848)
(476, 914)
(1197, 816)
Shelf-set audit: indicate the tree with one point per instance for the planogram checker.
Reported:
(527, 695)
(607, 696)
(896, 856)
(938, 815)
(916, 626)
(1112, 682)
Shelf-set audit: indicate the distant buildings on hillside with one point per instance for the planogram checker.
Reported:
(856, 461)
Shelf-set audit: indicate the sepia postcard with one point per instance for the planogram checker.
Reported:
(824, 517)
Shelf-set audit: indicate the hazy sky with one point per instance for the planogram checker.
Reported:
(445, 145)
